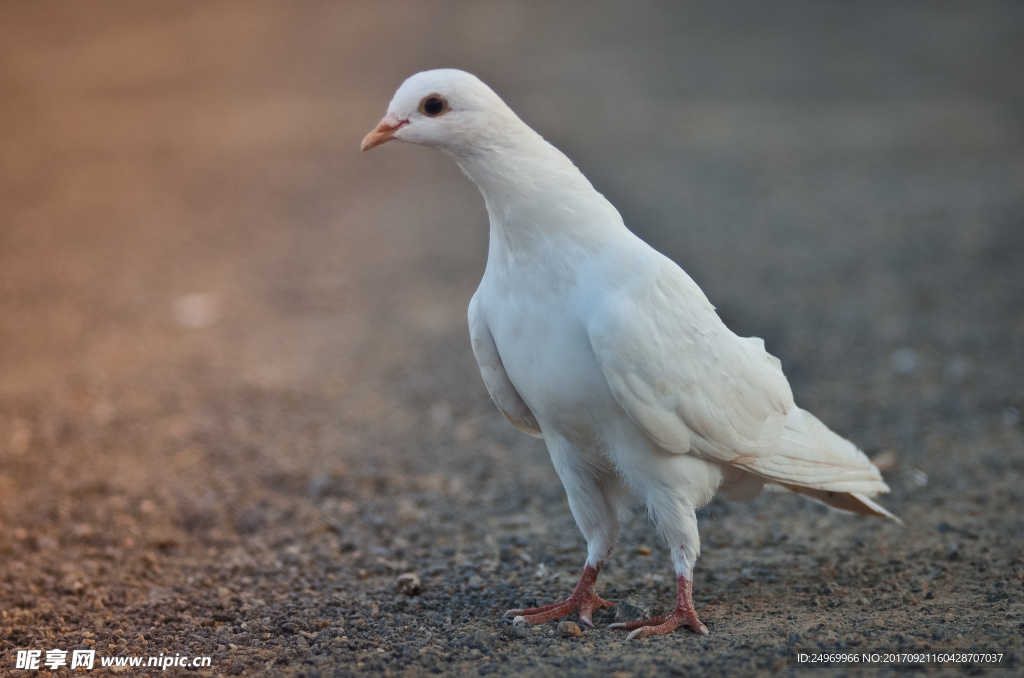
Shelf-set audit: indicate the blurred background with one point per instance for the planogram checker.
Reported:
(229, 340)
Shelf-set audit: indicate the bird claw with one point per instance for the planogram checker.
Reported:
(683, 614)
(666, 623)
(584, 600)
(584, 605)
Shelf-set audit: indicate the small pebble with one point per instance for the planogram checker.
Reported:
(633, 608)
(409, 584)
(568, 629)
(522, 631)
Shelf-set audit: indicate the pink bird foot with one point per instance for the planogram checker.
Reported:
(584, 600)
(684, 614)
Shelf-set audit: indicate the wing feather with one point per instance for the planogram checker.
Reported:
(502, 391)
(695, 387)
(683, 376)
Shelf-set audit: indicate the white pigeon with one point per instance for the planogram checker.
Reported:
(588, 337)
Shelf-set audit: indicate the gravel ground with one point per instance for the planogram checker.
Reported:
(238, 405)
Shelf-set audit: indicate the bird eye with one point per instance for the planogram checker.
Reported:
(433, 106)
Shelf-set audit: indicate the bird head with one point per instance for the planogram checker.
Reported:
(446, 108)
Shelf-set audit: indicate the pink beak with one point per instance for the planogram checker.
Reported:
(383, 132)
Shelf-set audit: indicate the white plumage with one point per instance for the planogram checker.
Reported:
(587, 336)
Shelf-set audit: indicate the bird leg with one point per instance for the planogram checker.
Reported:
(666, 623)
(583, 600)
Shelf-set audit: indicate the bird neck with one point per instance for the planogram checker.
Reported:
(535, 195)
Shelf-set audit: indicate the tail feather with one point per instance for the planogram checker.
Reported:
(812, 457)
(854, 502)
(812, 460)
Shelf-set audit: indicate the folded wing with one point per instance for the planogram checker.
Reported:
(695, 387)
(503, 393)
